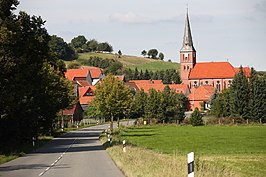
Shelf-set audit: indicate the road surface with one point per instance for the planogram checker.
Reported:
(75, 154)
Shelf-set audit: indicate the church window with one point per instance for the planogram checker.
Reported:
(187, 67)
(184, 67)
(218, 86)
(206, 83)
(195, 84)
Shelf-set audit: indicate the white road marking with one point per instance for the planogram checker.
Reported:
(57, 160)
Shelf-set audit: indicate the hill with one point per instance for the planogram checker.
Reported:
(131, 61)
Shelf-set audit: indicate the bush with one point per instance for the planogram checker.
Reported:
(196, 118)
(73, 65)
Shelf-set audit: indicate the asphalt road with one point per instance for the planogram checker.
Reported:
(75, 154)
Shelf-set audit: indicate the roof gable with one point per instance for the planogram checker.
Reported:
(201, 93)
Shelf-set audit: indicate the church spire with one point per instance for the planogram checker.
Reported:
(187, 39)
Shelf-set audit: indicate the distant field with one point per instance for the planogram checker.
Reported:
(219, 150)
(133, 61)
(201, 140)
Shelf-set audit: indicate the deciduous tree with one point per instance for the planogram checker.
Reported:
(112, 99)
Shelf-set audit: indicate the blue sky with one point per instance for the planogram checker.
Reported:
(222, 30)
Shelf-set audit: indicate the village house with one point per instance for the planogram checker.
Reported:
(203, 78)
(85, 76)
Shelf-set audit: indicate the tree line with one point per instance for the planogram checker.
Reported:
(81, 44)
(167, 76)
(245, 98)
(153, 53)
(77, 45)
(32, 84)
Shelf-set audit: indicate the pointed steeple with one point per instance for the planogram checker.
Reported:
(187, 39)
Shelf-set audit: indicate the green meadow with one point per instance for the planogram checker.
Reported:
(132, 62)
(204, 140)
(219, 150)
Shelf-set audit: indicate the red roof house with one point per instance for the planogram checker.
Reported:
(200, 97)
(86, 95)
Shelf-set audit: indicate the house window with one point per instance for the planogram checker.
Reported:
(195, 84)
(89, 94)
(229, 83)
(218, 86)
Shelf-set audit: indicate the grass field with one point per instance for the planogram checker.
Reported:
(133, 61)
(219, 150)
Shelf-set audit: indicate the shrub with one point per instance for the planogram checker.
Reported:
(196, 118)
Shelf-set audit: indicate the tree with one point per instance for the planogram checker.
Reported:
(147, 75)
(239, 95)
(61, 48)
(161, 56)
(31, 78)
(78, 42)
(144, 53)
(220, 104)
(139, 103)
(257, 108)
(136, 74)
(119, 53)
(92, 45)
(196, 118)
(112, 99)
(104, 47)
(152, 104)
(153, 53)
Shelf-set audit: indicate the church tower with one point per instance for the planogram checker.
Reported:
(187, 53)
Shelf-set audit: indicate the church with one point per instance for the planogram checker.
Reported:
(205, 77)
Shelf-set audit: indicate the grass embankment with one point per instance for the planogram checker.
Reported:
(132, 62)
(219, 150)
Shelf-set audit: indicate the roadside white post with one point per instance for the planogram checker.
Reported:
(110, 139)
(190, 160)
(124, 145)
(33, 141)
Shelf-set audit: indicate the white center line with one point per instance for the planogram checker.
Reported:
(57, 160)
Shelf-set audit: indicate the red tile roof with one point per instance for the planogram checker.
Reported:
(83, 71)
(94, 71)
(148, 81)
(70, 111)
(82, 82)
(180, 88)
(80, 73)
(211, 70)
(83, 98)
(201, 93)
(122, 77)
(246, 71)
(158, 85)
(217, 70)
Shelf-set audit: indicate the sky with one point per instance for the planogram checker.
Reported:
(222, 30)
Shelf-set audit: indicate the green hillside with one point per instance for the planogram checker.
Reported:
(132, 61)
